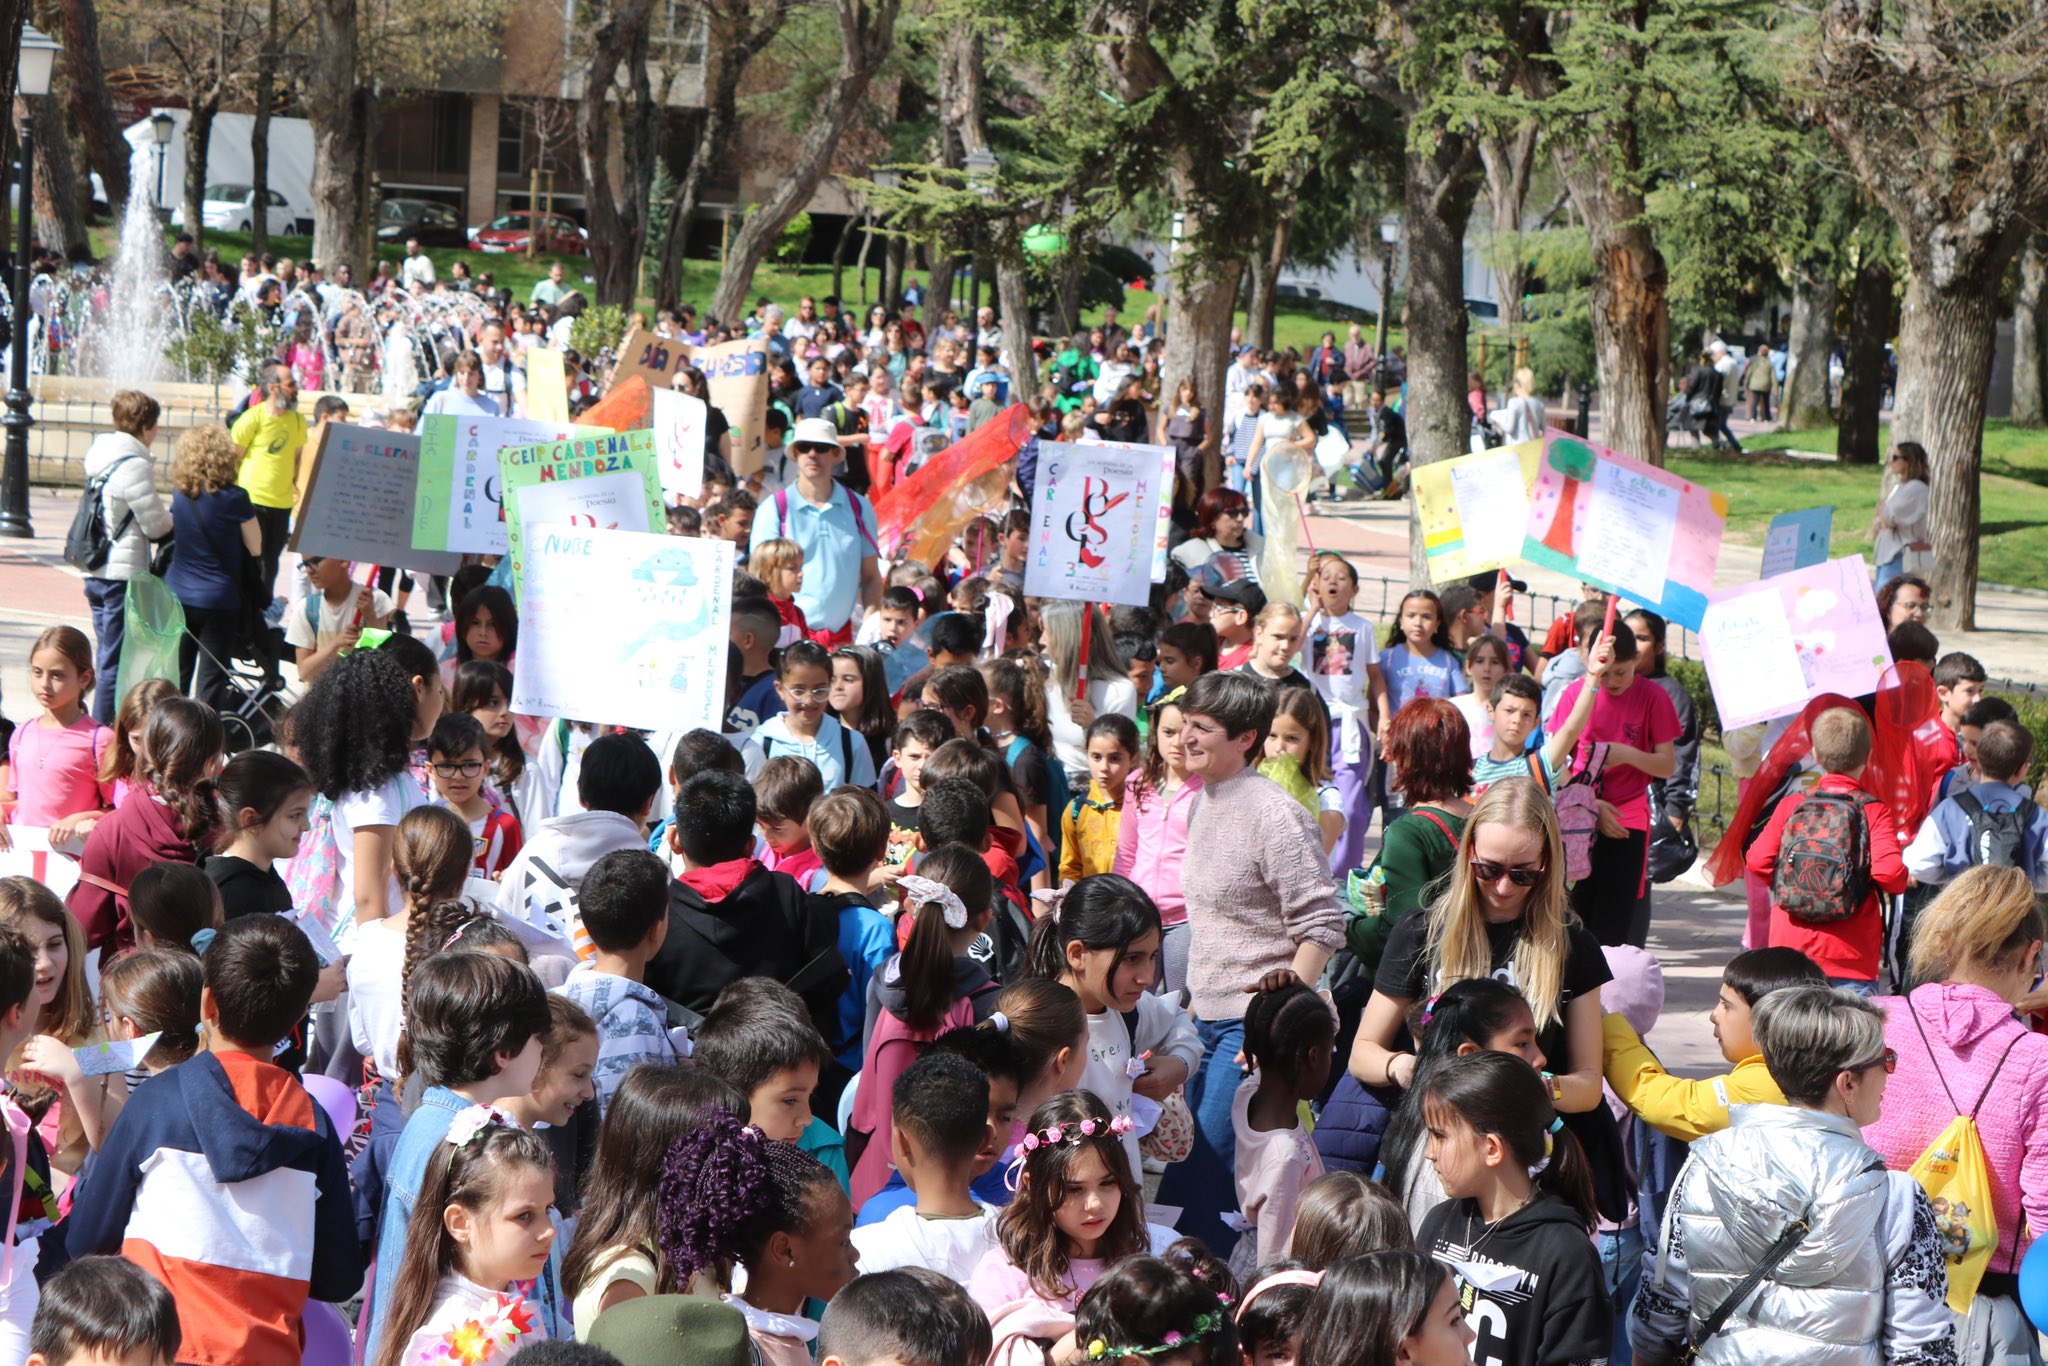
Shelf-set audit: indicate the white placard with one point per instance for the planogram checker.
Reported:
(461, 502)
(679, 427)
(1493, 504)
(360, 501)
(33, 857)
(1762, 675)
(1626, 537)
(1097, 518)
(624, 628)
(114, 1055)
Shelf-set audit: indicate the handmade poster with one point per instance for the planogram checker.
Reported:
(655, 359)
(1796, 540)
(32, 856)
(1095, 521)
(1474, 509)
(542, 912)
(547, 386)
(737, 373)
(359, 500)
(114, 1055)
(648, 652)
(1632, 528)
(460, 504)
(606, 483)
(1773, 646)
(679, 443)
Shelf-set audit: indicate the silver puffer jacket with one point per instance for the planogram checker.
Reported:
(1864, 1286)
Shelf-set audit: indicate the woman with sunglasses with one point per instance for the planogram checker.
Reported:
(1977, 956)
(1900, 524)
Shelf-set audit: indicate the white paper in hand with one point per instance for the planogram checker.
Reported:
(114, 1055)
(324, 948)
(546, 907)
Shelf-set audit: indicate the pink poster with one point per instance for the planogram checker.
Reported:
(1774, 645)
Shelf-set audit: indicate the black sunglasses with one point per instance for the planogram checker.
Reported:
(1493, 872)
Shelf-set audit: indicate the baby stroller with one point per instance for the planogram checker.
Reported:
(257, 697)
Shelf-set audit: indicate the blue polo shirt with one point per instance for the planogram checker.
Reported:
(834, 543)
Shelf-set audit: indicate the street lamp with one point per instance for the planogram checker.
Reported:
(1390, 240)
(38, 58)
(161, 125)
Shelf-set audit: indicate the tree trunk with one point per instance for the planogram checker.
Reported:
(847, 226)
(1805, 402)
(618, 222)
(1198, 343)
(1013, 303)
(2028, 408)
(1265, 279)
(1437, 193)
(341, 139)
(198, 141)
(866, 29)
(1870, 324)
(259, 137)
(59, 225)
(92, 105)
(1951, 332)
(892, 272)
(1510, 162)
(1067, 289)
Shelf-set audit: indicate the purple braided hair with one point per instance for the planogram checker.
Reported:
(714, 1181)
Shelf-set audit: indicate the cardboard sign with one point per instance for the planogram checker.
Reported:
(547, 386)
(32, 856)
(679, 423)
(648, 651)
(737, 373)
(1632, 528)
(1096, 520)
(460, 505)
(360, 500)
(1475, 509)
(658, 360)
(1797, 540)
(1773, 646)
(592, 482)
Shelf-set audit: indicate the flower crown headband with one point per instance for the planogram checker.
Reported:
(1203, 1326)
(1053, 1136)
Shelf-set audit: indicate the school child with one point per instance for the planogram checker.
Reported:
(486, 626)
(918, 736)
(1100, 938)
(457, 761)
(333, 615)
(1632, 736)
(803, 681)
(1687, 1109)
(561, 1107)
(1233, 607)
(74, 1328)
(860, 698)
(223, 1178)
(755, 627)
(1959, 685)
(1017, 724)
(1298, 758)
(939, 1113)
(184, 747)
(1828, 856)
(994, 1055)
(1520, 1206)
(1560, 641)
(154, 991)
(616, 1254)
(473, 1026)
(617, 785)
(623, 904)
(1516, 706)
(1088, 824)
(729, 917)
(480, 1230)
(263, 798)
(1343, 667)
(1276, 640)
(759, 1038)
(779, 563)
(1079, 1209)
(730, 516)
(53, 762)
(1416, 658)
(1387, 1306)
(63, 1013)
(431, 856)
(1141, 658)
(121, 760)
(483, 690)
(909, 1317)
(1991, 821)
(1345, 1214)
(850, 830)
(1271, 1311)
(1486, 664)
(733, 1198)
(783, 795)
(897, 615)
(1288, 1035)
(29, 1208)
(957, 810)
(1152, 835)
(1145, 1304)
(1187, 650)
(930, 987)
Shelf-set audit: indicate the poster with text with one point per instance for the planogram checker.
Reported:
(460, 505)
(1096, 519)
(1773, 646)
(737, 373)
(648, 652)
(679, 443)
(359, 500)
(597, 483)
(654, 359)
(1797, 539)
(1632, 528)
(1475, 509)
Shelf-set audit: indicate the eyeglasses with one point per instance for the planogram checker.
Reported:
(927, 704)
(1889, 1062)
(1230, 512)
(809, 694)
(1912, 608)
(468, 769)
(1494, 872)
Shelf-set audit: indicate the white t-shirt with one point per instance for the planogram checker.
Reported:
(301, 632)
(1070, 741)
(385, 805)
(951, 1247)
(376, 981)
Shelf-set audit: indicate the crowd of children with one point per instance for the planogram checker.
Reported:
(1004, 980)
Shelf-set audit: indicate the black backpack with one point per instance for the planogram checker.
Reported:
(1997, 838)
(88, 544)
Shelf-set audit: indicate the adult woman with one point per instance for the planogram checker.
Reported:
(1185, 427)
(1863, 1282)
(1976, 948)
(464, 396)
(1671, 799)
(1326, 362)
(1118, 366)
(879, 323)
(217, 534)
(1220, 516)
(1521, 417)
(134, 515)
(1904, 598)
(1109, 687)
(1900, 526)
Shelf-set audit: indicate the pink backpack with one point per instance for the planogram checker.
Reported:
(314, 874)
(1578, 815)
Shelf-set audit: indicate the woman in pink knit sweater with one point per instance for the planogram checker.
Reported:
(1262, 911)
(1977, 952)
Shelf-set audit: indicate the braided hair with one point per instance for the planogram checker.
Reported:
(725, 1191)
(1282, 1025)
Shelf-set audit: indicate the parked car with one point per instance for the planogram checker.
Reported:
(509, 232)
(232, 208)
(434, 224)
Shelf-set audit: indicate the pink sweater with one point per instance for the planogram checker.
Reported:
(1970, 1029)
(1151, 841)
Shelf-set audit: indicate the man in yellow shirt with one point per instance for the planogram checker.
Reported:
(270, 436)
(1685, 1109)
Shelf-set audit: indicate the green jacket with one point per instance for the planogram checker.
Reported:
(1074, 372)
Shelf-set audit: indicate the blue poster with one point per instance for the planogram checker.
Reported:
(1797, 540)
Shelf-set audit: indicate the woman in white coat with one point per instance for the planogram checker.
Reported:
(135, 515)
(1900, 527)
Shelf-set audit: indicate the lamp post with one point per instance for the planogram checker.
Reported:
(1390, 239)
(161, 126)
(38, 58)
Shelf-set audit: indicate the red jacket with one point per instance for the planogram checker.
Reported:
(139, 832)
(1843, 948)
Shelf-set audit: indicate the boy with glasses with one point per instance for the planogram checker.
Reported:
(326, 623)
(457, 760)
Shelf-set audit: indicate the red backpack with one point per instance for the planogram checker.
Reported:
(1823, 870)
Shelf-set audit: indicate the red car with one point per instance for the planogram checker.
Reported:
(508, 232)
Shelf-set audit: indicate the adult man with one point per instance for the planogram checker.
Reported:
(836, 528)
(987, 334)
(416, 273)
(772, 332)
(355, 340)
(1757, 378)
(270, 436)
(503, 381)
(550, 291)
(1358, 363)
(1386, 435)
(1112, 332)
(184, 260)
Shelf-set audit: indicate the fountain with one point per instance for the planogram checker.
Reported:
(129, 347)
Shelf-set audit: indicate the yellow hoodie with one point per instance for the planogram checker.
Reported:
(1684, 1109)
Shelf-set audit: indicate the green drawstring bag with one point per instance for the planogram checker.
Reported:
(154, 628)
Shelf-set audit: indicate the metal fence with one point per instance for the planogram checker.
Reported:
(1543, 608)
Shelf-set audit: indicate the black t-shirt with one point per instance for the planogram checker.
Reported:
(1031, 776)
(1404, 973)
(245, 888)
